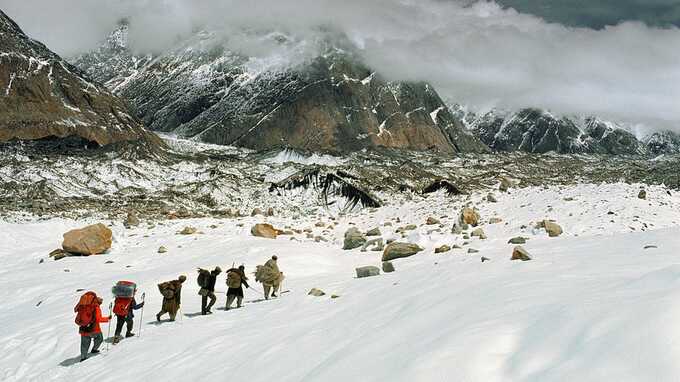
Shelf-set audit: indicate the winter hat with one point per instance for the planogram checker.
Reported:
(182, 278)
(274, 257)
(218, 269)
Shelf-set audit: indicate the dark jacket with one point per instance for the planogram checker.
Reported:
(134, 306)
(212, 279)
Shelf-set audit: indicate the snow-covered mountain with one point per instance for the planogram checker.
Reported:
(330, 102)
(539, 131)
(43, 96)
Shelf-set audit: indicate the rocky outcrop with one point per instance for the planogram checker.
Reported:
(367, 271)
(43, 96)
(519, 253)
(397, 250)
(265, 230)
(353, 239)
(91, 240)
(332, 102)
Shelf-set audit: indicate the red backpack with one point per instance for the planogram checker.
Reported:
(122, 306)
(85, 311)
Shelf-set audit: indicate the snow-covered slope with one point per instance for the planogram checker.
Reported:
(592, 305)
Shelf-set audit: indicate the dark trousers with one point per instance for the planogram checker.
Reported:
(120, 320)
(85, 342)
(205, 307)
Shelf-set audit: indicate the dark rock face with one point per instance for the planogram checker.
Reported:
(329, 103)
(42, 96)
(663, 142)
(536, 131)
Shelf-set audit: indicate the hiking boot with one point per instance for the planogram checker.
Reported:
(129, 334)
(208, 312)
(94, 351)
(116, 339)
(158, 317)
(274, 295)
(83, 359)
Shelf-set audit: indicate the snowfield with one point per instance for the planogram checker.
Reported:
(600, 302)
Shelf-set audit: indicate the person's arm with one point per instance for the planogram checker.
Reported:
(136, 306)
(245, 283)
(99, 317)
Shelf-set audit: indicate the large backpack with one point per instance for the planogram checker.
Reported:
(86, 312)
(121, 306)
(233, 279)
(203, 278)
(124, 289)
(167, 289)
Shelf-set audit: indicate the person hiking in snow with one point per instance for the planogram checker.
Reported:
(88, 318)
(172, 293)
(124, 311)
(207, 280)
(270, 277)
(236, 278)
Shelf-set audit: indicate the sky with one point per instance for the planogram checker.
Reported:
(617, 59)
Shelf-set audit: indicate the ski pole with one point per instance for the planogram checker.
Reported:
(141, 316)
(108, 334)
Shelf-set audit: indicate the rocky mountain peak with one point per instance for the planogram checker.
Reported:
(331, 102)
(43, 96)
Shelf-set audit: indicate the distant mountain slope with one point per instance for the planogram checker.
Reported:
(332, 102)
(43, 96)
(537, 131)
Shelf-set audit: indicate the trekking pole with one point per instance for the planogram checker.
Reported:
(108, 334)
(141, 316)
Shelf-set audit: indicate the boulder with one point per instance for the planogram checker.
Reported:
(495, 220)
(367, 271)
(505, 184)
(469, 216)
(264, 230)
(91, 240)
(432, 221)
(519, 253)
(374, 232)
(183, 212)
(442, 249)
(472, 250)
(162, 249)
(353, 239)
(553, 229)
(377, 243)
(270, 211)
(316, 292)
(398, 250)
(642, 194)
(256, 212)
(188, 230)
(479, 233)
(517, 240)
(491, 198)
(387, 267)
(59, 254)
(132, 220)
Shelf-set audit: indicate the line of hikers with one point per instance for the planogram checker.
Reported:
(89, 315)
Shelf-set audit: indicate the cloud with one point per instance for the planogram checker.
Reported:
(478, 54)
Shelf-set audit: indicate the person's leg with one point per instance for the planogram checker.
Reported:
(120, 320)
(204, 302)
(230, 300)
(130, 324)
(84, 346)
(98, 339)
(239, 301)
(161, 313)
(275, 289)
(213, 299)
(266, 291)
